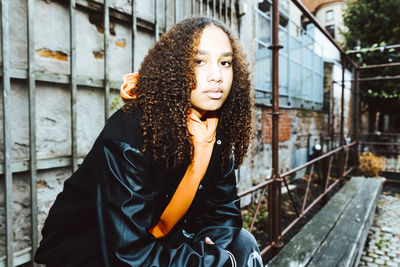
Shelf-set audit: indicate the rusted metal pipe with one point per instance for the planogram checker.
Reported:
(376, 49)
(257, 209)
(379, 143)
(379, 78)
(333, 116)
(341, 169)
(356, 113)
(274, 190)
(377, 66)
(307, 189)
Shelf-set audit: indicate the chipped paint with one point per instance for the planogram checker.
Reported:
(58, 55)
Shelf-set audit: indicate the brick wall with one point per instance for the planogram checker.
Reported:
(284, 125)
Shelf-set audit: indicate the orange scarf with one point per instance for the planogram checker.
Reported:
(203, 139)
(128, 88)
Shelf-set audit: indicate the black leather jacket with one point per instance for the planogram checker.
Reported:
(103, 214)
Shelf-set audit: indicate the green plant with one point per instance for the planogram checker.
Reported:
(116, 103)
(261, 222)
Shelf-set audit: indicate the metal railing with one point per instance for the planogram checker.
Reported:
(386, 145)
(274, 183)
(327, 160)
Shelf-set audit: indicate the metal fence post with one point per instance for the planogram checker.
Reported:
(274, 190)
(356, 113)
(341, 169)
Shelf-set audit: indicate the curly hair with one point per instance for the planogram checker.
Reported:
(167, 77)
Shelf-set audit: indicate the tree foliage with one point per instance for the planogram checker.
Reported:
(372, 25)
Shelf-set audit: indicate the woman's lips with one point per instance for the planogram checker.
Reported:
(214, 94)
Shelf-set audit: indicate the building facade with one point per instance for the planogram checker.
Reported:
(75, 90)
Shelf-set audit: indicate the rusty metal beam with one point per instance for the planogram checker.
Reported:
(274, 190)
(376, 49)
(396, 77)
(385, 65)
(356, 112)
(342, 119)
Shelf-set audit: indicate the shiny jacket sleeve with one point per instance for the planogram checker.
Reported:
(125, 194)
(222, 207)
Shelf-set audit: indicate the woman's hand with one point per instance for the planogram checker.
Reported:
(208, 241)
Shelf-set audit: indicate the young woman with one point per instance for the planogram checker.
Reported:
(158, 187)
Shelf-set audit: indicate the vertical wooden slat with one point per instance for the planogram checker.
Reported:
(72, 38)
(207, 8)
(219, 9)
(231, 14)
(32, 127)
(201, 7)
(166, 15)
(213, 8)
(193, 7)
(156, 28)
(7, 130)
(134, 32)
(175, 11)
(106, 68)
(225, 10)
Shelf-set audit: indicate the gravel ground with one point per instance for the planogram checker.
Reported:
(383, 243)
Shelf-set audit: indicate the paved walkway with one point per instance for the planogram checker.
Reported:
(383, 243)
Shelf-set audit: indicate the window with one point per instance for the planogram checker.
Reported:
(331, 30)
(300, 67)
(329, 15)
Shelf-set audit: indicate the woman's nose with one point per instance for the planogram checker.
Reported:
(214, 73)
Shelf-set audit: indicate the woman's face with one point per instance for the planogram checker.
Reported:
(214, 73)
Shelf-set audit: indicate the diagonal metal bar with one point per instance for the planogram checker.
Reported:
(290, 196)
(346, 159)
(307, 189)
(309, 207)
(328, 174)
(257, 209)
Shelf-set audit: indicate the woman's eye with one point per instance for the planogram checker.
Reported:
(199, 61)
(226, 63)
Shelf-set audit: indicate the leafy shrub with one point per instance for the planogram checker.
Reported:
(371, 165)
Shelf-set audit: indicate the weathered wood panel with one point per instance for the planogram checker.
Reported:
(336, 235)
(341, 247)
(304, 245)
